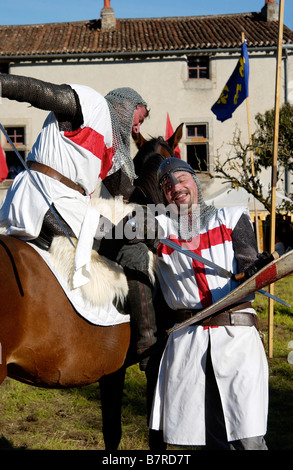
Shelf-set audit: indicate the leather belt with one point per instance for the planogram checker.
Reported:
(229, 317)
(46, 170)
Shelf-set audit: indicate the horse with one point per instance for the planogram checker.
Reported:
(150, 155)
(44, 341)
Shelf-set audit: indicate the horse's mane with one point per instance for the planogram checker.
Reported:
(147, 180)
(146, 164)
(147, 149)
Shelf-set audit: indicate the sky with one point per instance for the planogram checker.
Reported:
(54, 11)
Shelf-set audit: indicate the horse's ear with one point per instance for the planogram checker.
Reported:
(174, 140)
(139, 140)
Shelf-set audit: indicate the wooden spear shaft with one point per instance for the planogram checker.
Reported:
(274, 172)
(252, 163)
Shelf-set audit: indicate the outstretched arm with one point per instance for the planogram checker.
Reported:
(119, 184)
(61, 99)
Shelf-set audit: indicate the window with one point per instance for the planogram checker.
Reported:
(197, 146)
(198, 67)
(17, 135)
(4, 67)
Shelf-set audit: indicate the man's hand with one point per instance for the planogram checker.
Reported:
(262, 260)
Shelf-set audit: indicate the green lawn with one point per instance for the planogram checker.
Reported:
(32, 418)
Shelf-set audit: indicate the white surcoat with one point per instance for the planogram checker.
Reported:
(237, 353)
(84, 156)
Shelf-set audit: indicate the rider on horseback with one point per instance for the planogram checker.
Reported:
(84, 140)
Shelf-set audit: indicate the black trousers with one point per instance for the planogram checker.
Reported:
(216, 436)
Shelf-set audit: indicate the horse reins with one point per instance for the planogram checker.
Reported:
(164, 145)
(13, 266)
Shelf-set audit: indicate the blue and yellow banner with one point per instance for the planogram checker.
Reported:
(236, 89)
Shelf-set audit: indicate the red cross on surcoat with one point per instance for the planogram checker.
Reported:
(213, 237)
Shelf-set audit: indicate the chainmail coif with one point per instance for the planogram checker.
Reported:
(122, 103)
(188, 225)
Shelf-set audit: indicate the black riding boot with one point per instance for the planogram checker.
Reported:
(142, 313)
(135, 261)
(50, 229)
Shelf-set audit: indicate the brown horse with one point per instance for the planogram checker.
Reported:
(44, 341)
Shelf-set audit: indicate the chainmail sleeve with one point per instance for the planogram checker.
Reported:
(61, 99)
(244, 243)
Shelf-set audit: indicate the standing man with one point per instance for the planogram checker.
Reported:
(212, 386)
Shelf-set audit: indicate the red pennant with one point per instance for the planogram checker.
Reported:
(169, 128)
(3, 166)
(169, 133)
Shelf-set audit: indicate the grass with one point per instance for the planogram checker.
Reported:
(280, 423)
(36, 419)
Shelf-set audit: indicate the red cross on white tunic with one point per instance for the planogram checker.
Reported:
(213, 237)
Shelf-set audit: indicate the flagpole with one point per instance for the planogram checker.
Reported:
(252, 163)
(274, 171)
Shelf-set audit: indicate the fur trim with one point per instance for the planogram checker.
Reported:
(114, 209)
(108, 282)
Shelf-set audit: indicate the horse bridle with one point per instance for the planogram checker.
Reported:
(162, 143)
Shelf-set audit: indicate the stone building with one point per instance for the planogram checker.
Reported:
(178, 64)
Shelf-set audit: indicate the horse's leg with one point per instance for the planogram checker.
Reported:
(3, 366)
(111, 388)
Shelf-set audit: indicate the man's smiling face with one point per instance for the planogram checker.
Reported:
(181, 189)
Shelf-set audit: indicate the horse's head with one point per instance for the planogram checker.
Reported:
(150, 155)
(158, 145)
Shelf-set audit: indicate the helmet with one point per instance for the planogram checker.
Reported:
(170, 166)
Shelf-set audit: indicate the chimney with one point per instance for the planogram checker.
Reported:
(108, 17)
(270, 11)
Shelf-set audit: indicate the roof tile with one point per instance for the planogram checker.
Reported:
(143, 34)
